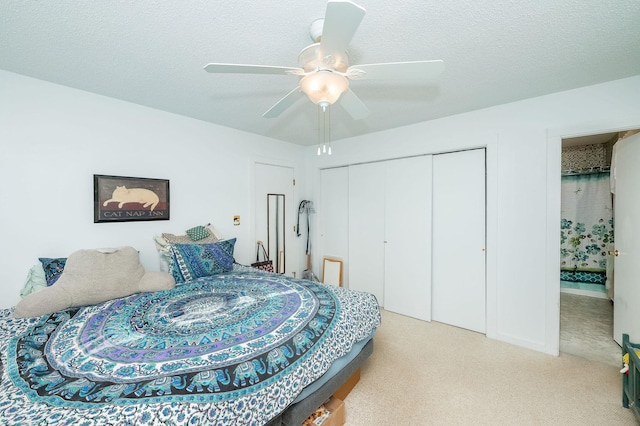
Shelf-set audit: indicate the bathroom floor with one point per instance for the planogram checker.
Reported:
(586, 329)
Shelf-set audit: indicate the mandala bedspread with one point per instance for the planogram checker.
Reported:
(233, 348)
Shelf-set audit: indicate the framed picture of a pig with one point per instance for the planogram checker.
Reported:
(123, 199)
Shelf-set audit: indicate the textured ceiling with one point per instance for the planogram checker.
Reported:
(153, 52)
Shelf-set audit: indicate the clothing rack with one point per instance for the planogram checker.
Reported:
(586, 171)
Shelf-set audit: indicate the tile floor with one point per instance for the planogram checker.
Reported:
(586, 328)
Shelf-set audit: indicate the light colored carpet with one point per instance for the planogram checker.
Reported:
(425, 373)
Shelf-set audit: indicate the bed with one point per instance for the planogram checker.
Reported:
(243, 347)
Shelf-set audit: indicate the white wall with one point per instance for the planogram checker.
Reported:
(523, 197)
(53, 139)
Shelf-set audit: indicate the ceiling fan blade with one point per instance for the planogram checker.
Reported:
(416, 70)
(284, 103)
(341, 20)
(353, 105)
(250, 69)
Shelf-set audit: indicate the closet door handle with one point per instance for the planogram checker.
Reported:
(615, 252)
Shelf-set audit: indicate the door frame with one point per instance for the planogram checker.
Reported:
(293, 245)
(554, 175)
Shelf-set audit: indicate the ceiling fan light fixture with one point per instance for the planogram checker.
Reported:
(324, 87)
(315, 30)
(324, 70)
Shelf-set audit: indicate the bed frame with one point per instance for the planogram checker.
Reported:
(297, 413)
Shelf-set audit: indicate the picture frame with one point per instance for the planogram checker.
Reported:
(126, 199)
(332, 271)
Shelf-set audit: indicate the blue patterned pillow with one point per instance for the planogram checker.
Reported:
(53, 268)
(197, 233)
(191, 261)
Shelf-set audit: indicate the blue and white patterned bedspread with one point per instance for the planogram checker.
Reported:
(235, 348)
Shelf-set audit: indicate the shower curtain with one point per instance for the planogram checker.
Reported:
(586, 228)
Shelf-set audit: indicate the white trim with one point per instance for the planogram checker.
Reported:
(554, 165)
(491, 237)
(552, 288)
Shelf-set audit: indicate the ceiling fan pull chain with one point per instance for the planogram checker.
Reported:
(328, 129)
(320, 136)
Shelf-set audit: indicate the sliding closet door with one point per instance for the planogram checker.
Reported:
(366, 228)
(458, 277)
(334, 217)
(407, 274)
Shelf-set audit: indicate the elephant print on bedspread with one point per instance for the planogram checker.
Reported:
(256, 336)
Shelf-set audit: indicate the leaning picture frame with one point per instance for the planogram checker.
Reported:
(124, 199)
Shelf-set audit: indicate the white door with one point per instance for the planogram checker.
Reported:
(274, 179)
(407, 256)
(366, 228)
(626, 302)
(333, 214)
(458, 277)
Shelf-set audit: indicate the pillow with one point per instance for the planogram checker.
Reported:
(191, 261)
(197, 233)
(165, 239)
(94, 276)
(163, 244)
(52, 268)
(185, 239)
(36, 280)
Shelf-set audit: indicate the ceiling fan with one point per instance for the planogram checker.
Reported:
(324, 66)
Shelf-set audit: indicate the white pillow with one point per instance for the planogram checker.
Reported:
(36, 280)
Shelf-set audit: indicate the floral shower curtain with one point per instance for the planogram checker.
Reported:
(586, 228)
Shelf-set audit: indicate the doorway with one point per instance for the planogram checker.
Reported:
(586, 228)
(586, 272)
(274, 217)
